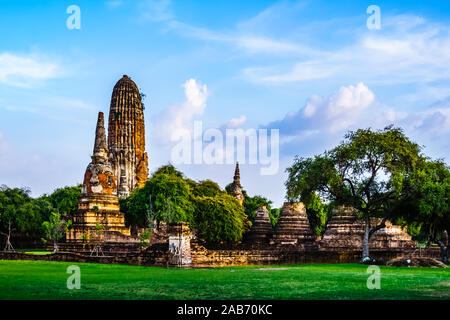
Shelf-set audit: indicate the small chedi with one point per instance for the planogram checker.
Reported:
(345, 232)
(293, 226)
(99, 203)
(236, 188)
(261, 230)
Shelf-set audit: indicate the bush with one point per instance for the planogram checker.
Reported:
(219, 218)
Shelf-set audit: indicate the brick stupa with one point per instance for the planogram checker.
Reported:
(293, 226)
(261, 230)
(98, 203)
(345, 231)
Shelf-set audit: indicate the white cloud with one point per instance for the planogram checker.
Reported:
(177, 119)
(338, 111)
(26, 70)
(236, 122)
(322, 122)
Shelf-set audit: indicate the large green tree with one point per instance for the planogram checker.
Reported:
(166, 193)
(65, 200)
(365, 172)
(426, 202)
(11, 202)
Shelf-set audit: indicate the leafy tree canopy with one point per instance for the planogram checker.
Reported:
(168, 190)
(426, 204)
(65, 200)
(365, 172)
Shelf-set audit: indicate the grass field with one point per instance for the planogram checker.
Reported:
(47, 280)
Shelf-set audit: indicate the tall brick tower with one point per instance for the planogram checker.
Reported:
(126, 137)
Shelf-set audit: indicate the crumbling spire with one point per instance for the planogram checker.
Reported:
(236, 188)
(100, 147)
(237, 175)
(126, 135)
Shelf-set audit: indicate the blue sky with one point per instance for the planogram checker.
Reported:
(311, 69)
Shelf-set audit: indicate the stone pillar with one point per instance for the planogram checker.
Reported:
(180, 236)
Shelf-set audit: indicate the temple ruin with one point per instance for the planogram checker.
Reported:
(98, 203)
(261, 230)
(345, 231)
(126, 137)
(118, 166)
(293, 226)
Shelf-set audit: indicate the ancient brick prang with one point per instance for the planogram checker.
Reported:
(126, 136)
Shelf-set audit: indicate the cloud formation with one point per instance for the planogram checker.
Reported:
(322, 121)
(338, 111)
(236, 122)
(407, 49)
(176, 120)
(26, 70)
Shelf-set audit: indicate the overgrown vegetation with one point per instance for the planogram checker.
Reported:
(382, 174)
(172, 197)
(20, 213)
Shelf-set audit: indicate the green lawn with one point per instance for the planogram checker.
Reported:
(47, 280)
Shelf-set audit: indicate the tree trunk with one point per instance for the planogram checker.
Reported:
(55, 246)
(365, 253)
(8, 245)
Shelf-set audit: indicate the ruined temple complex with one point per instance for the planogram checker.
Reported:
(119, 164)
(116, 168)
